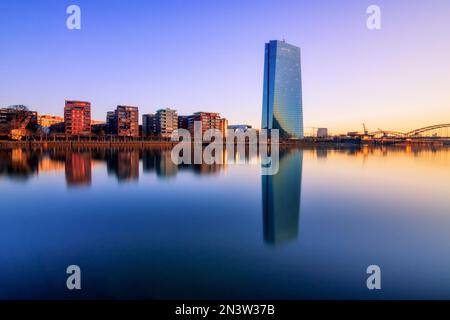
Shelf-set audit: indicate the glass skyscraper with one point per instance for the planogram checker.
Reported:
(282, 95)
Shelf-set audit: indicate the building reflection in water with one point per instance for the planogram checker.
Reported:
(18, 164)
(78, 169)
(124, 164)
(47, 164)
(321, 153)
(159, 160)
(128, 165)
(281, 194)
(207, 169)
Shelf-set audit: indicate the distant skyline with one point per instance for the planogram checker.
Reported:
(209, 55)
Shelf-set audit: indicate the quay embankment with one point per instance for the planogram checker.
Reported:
(168, 143)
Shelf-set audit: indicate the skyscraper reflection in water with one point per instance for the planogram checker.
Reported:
(281, 194)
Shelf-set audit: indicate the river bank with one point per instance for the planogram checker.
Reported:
(165, 143)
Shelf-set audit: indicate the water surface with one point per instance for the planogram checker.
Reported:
(141, 227)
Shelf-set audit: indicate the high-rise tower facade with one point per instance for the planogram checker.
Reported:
(282, 93)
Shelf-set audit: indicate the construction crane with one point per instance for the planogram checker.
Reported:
(21, 128)
(18, 119)
(366, 133)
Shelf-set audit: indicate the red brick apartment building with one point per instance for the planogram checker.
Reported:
(77, 117)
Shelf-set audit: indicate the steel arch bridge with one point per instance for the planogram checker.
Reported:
(384, 133)
(417, 133)
(427, 129)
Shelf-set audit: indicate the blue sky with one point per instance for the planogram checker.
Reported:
(208, 55)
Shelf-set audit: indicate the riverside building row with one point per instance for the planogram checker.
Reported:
(165, 121)
(122, 122)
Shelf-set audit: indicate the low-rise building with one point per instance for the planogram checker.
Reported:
(47, 120)
(322, 132)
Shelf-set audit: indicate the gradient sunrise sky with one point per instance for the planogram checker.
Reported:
(208, 55)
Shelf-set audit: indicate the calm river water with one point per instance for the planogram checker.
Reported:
(140, 227)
